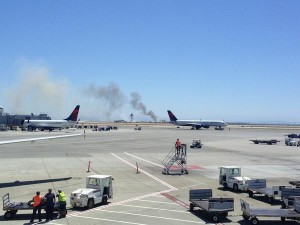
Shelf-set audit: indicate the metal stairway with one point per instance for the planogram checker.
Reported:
(176, 156)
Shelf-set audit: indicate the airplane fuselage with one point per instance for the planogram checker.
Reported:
(200, 123)
(48, 124)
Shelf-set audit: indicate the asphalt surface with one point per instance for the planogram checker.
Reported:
(147, 197)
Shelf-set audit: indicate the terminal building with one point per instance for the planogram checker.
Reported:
(8, 121)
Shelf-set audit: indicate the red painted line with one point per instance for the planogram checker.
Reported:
(176, 200)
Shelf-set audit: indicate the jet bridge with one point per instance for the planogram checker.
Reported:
(176, 161)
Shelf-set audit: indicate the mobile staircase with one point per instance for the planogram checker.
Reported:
(176, 156)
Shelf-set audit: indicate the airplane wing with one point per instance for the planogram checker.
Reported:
(37, 139)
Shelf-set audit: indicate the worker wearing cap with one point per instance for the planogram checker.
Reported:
(37, 206)
(49, 202)
(62, 204)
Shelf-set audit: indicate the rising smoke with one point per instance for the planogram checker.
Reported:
(35, 91)
(138, 105)
(115, 99)
(111, 95)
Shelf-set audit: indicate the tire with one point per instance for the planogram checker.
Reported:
(235, 188)
(245, 216)
(191, 207)
(104, 200)
(215, 218)
(254, 221)
(90, 203)
(270, 199)
(282, 219)
(225, 186)
(8, 215)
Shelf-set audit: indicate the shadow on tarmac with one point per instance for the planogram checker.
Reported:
(30, 182)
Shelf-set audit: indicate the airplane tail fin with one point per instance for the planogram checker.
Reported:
(73, 116)
(171, 116)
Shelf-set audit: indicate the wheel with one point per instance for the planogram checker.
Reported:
(254, 221)
(235, 188)
(90, 203)
(191, 207)
(104, 200)
(225, 185)
(282, 219)
(215, 218)
(251, 194)
(245, 216)
(8, 215)
(270, 199)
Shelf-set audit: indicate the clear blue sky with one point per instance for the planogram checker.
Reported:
(231, 60)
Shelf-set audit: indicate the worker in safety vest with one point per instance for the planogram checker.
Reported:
(62, 200)
(37, 206)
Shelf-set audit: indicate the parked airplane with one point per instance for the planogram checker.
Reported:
(197, 124)
(53, 124)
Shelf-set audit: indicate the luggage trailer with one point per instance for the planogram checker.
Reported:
(252, 213)
(260, 187)
(12, 208)
(216, 208)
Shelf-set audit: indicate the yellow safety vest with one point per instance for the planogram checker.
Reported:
(62, 197)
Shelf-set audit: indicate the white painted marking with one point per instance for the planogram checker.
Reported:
(37, 139)
(168, 203)
(160, 209)
(116, 221)
(148, 174)
(157, 217)
(144, 160)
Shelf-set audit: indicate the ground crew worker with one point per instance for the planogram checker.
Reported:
(177, 146)
(37, 206)
(49, 202)
(62, 204)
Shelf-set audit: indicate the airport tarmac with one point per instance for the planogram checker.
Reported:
(148, 197)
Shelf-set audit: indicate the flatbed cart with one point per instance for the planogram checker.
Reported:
(260, 187)
(269, 142)
(12, 208)
(252, 213)
(216, 208)
(288, 196)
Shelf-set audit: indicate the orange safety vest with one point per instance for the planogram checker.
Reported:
(37, 200)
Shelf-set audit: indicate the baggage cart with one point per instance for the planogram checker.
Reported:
(259, 186)
(216, 208)
(252, 213)
(12, 208)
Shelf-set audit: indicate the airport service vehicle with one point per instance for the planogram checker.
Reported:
(98, 190)
(196, 144)
(290, 142)
(269, 142)
(12, 208)
(259, 186)
(216, 208)
(230, 177)
(253, 213)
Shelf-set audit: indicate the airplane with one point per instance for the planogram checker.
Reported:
(197, 124)
(52, 124)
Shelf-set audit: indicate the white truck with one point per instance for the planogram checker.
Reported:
(98, 190)
(230, 177)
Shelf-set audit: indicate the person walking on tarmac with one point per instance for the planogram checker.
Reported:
(62, 200)
(37, 206)
(177, 146)
(50, 202)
